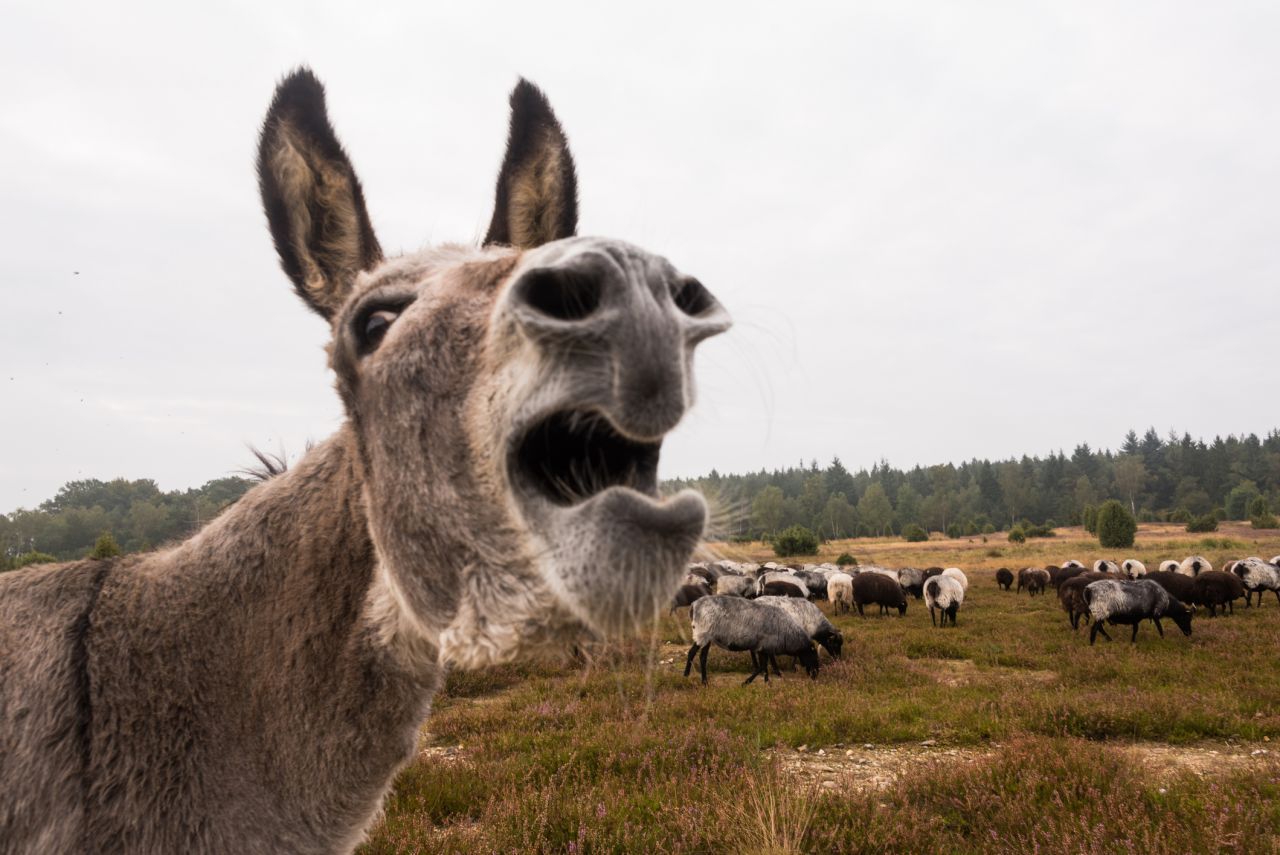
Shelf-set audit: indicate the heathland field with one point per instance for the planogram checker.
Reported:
(1006, 734)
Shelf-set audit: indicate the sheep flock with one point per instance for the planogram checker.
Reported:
(767, 610)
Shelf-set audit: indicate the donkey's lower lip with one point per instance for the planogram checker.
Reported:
(570, 456)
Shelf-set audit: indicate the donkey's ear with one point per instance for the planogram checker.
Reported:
(312, 198)
(537, 199)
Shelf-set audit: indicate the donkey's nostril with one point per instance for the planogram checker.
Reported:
(692, 297)
(565, 295)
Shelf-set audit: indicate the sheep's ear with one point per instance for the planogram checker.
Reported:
(312, 198)
(537, 196)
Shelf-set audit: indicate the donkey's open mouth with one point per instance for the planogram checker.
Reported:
(572, 455)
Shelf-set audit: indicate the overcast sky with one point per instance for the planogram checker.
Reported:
(945, 230)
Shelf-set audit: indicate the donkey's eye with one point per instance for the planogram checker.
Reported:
(373, 328)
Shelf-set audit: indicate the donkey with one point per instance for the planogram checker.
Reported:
(493, 488)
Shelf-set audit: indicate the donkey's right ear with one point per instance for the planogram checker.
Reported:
(312, 198)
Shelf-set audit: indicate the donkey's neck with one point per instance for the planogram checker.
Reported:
(274, 613)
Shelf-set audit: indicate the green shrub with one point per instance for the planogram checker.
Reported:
(845, 559)
(1265, 521)
(988, 529)
(1259, 508)
(1090, 517)
(954, 531)
(1017, 535)
(796, 540)
(913, 533)
(105, 547)
(1181, 515)
(1045, 530)
(1208, 522)
(970, 529)
(27, 558)
(1116, 525)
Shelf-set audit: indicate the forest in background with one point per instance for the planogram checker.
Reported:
(1174, 478)
(1159, 478)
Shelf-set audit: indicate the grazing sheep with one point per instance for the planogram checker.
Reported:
(1067, 565)
(706, 574)
(688, 594)
(816, 583)
(1194, 565)
(1178, 585)
(1257, 576)
(734, 586)
(737, 624)
(878, 589)
(1022, 578)
(784, 588)
(1036, 580)
(1123, 602)
(840, 591)
(1214, 588)
(1066, 574)
(944, 593)
(1133, 568)
(931, 572)
(1169, 566)
(785, 577)
(1004, 579)
(1071, 595)
(912, 581)
(957, 574)
(1102, 565)
(811, 618)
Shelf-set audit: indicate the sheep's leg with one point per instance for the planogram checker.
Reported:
(702, 662)
(688, 663)
(932, 619)
(1159, 628)
(1133, 639)
(774, 661)
(861, 613)
(1277, 593)
(1248, 599)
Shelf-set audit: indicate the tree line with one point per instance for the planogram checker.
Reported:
(1158, 478)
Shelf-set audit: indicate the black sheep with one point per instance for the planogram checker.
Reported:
(1177, 584)
(781, 588)
(1214, 588)
(688, 595)
(878, 589)
(1004, 578)
(1071, 595)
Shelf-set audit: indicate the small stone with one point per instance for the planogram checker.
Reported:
(822, 752)
(868, 746)
(849, 753)
(830, 785)
(930, 742)
(1266, 739)
(803, 748)
(1163, 791)
(1257, 752)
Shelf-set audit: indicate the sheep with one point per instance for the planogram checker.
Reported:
(1022, 578)
(815, 582)
(931, 572)
(1214, 588)
(1066, 574)
(1257, 576)
(1275, 561)
(1169, 566)
(1102, 565)
(734, 586)
(944, 593)
(1071, 595)
(1178, 585)
(814, 622)
(1036, 580)
(878, 589)
(1067, 565)
(912, 581)
(840, 591)
(688, 594)
(1004, 578)
(706, 574)
(781, 577)
(737, 624)
(1194, 565)
(957, 574)
(1133, 568)
(1123, 602)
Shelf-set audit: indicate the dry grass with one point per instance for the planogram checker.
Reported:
(1036, 742)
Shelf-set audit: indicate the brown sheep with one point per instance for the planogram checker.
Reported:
(878, 589)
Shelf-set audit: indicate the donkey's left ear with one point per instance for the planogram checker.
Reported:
(312, 198)
(537, 198)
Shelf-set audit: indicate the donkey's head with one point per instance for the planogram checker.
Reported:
(509, 401)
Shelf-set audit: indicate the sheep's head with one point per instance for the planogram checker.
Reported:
(832, 641)
(809, 659)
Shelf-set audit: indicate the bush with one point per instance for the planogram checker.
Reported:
(27, 558)
(1208, 522)
(1090, 517)
(1259, 508)
(1116, 525)
(796, 540)
(845, 560)
(1045, 530)
(970, 529)
(954, 531)
(105, 547)
(1266, 521)
(913, 533)
(1017, 535)
(988, 529)
(1181, 515)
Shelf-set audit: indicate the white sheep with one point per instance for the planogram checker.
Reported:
(1072, 563)
(945, 594)
(1257, 576)
(1102, 565)
(840, 591)
(1194, 565)
(957, 574)
(1133, 568)
(1169, 566)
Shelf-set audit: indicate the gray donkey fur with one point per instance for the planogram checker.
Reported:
(256, 688)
